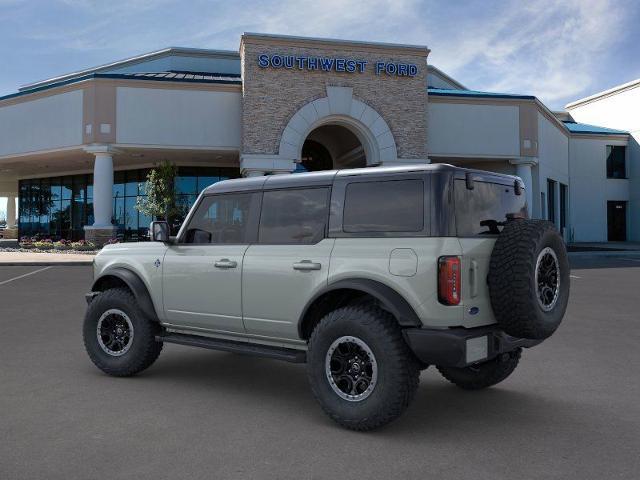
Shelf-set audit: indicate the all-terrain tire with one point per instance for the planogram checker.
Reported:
(143, 349)
(485, 374)
(519, 302)
(398, 371)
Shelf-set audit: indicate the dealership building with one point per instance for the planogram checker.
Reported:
(75, 149)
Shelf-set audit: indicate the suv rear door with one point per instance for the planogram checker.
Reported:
(202, 273)
(480, 215)
(289, 263)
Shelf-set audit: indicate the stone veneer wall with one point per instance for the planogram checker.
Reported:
(271, 96)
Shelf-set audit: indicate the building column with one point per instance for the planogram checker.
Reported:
(523, 170)
(11, 232)
(11, 211)
(102, 229)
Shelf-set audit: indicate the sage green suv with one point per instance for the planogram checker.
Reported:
(366, 275)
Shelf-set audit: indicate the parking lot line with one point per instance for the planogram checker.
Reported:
(574, 276)
(25, 275)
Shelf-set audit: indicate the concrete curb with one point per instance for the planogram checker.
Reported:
(606, 253)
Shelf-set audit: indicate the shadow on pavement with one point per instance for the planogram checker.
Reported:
(282, 389)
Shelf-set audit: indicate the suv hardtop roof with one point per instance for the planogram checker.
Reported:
(326, 177)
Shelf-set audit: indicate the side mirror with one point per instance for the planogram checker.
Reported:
(159, 231)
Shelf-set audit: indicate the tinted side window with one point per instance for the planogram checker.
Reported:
(483, 210)
(221, 219)
(385, 206)
(296, 216)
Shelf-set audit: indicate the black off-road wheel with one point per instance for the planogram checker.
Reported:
(118, 337)
(360, 369)
(529, 279)
(483, 375)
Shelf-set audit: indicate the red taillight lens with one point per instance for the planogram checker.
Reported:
(449, 280)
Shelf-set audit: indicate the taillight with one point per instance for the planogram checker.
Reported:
(449, 280)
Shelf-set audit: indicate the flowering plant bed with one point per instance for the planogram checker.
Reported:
(50, 251)
(63, 245)
(47, 245)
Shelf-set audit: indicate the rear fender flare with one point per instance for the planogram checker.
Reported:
(389, 299)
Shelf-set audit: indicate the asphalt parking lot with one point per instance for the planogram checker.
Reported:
(570, 411)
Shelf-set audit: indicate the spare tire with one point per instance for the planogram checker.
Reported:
(529, 279)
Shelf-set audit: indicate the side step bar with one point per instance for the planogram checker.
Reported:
(245, 348)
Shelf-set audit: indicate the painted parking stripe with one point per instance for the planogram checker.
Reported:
(574, 276)
(25, 275)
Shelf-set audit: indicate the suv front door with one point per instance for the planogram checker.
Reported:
(202, 272)
(289, 263)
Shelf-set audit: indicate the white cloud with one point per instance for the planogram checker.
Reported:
(546, 48)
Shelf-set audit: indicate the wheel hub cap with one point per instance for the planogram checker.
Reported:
(351, 368)
(115, 332)
(547, 279)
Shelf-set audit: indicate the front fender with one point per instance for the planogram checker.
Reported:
(135, 284)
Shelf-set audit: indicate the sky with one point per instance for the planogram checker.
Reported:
(557, 50)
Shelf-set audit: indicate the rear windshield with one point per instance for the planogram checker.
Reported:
(484, 210)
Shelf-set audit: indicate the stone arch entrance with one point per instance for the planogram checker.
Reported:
(341, 127)
(332, 146)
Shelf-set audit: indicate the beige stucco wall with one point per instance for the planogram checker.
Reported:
(178, 117)
(272, 96)
(466, 129)
(54, 121)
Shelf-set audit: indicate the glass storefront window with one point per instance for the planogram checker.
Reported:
(59, 207)
(67, 188)
(186, 184)
(118, 184)
(204, 182)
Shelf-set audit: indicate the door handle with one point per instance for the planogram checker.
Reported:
(474, 278)
(225, 263)
(306, 265)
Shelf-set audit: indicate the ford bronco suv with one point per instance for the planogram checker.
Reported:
(366, 275)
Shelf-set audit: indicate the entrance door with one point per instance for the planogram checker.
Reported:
(202, 273)
(617, 221)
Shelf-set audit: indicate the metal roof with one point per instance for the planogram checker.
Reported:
(134, 60)
(182, 75)
(222, 78)
(584, 128)
(475, 93)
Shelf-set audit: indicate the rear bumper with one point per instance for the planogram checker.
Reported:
(460, 347)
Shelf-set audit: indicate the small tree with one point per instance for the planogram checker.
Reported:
(160, 202)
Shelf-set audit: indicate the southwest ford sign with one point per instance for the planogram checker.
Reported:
(333, 64)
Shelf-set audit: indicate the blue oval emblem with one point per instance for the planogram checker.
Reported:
(474, 311)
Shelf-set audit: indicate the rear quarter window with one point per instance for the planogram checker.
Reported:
(485, 209)
(384, 206)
